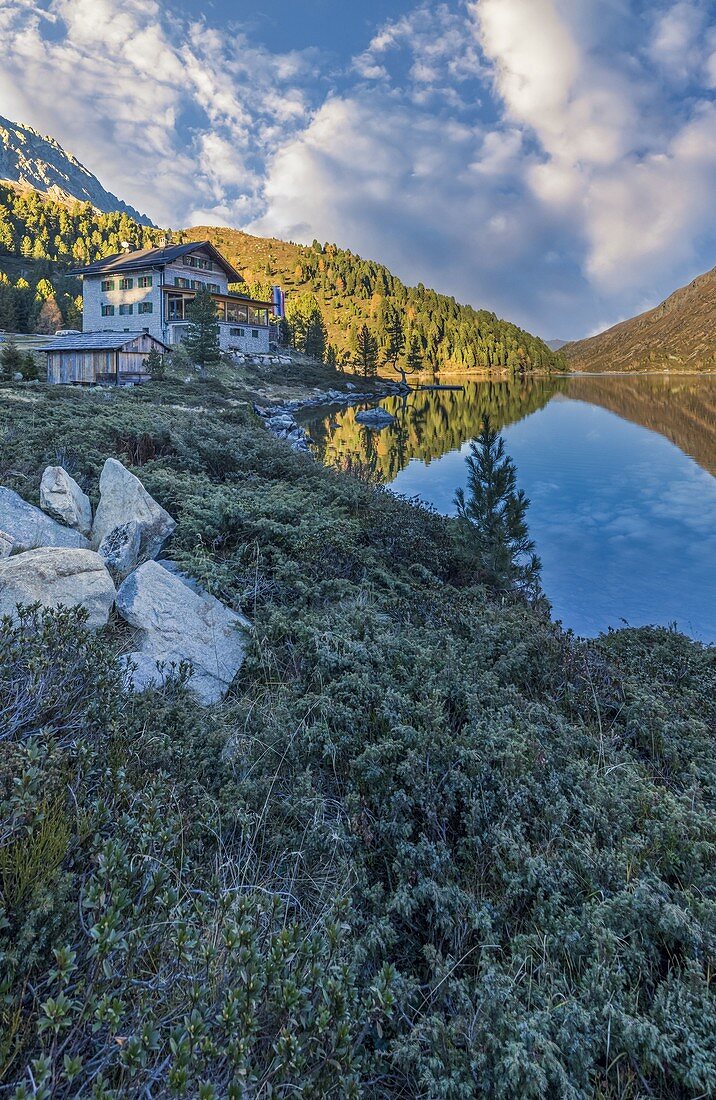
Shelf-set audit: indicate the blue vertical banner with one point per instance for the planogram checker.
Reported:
(279, 302)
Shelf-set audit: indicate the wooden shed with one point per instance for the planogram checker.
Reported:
(107, 357)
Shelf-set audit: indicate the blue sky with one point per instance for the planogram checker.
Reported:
(551, 160)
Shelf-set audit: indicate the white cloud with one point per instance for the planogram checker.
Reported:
(553, 160)
(172, 116)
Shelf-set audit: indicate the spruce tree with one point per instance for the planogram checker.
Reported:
(154, 364)
(494, 512)
(10, 358)
(316, 336)
(202, 337)
(367, 353)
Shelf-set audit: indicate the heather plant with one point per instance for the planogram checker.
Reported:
(429, 846)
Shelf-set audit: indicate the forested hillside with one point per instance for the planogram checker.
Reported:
(41, 239)
(351, 291)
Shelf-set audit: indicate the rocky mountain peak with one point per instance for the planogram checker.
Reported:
(29, 159)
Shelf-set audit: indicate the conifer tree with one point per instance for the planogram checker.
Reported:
(395, 342)
(202, 337)
(494, 512)
(10, 358)
(49, 318)
(367, 353)
(316, 336)
(413, 361)
(154, 364)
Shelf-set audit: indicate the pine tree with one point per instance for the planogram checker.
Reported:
(494, 513)
(367, 354)
(202, 337)
(331, 357)
(413, 362)
(395, 343)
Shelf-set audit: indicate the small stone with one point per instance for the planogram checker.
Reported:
(377, 419)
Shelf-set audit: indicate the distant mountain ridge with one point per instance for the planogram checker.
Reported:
(678, 334)
(29, 159)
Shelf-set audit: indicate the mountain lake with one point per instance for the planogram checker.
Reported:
(620, 471)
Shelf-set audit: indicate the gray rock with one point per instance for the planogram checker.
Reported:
(53, 575)
(6, 545)
(120, 549)
(62, 498)
(176, 624)
(375, 418)
(123, 499)
(277, 423)
(29, 527)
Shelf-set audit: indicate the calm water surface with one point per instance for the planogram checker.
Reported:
(620, 472)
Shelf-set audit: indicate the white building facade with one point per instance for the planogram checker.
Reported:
(149, 290)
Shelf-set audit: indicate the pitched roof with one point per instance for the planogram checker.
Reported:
(96, 341)
(155, 257)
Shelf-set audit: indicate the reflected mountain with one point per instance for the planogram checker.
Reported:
(430, 423)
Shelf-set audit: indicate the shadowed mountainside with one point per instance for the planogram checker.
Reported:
(679, 334)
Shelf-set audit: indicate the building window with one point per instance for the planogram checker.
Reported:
(126, 284)
(237, 332)
(175, 307)
(182, 282)
(255, 333)
(108, 311)
(145, 307)
(196, 261)
(144, 280)
(108, 284)
(126, 311)
(214, 287)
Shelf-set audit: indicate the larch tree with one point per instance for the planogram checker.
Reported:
(49, 319)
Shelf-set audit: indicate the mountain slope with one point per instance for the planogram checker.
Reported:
(351, 291)
(679, 334)
(29, 159)
(40, 238)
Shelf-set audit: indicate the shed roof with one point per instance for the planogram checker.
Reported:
(143, 258)
(98, 341)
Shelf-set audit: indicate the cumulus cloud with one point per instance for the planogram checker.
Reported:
(175, 116)
(553, 160)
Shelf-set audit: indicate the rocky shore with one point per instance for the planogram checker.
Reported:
(281, 421)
